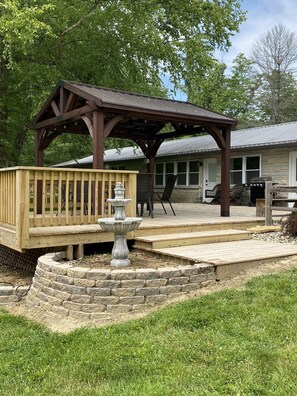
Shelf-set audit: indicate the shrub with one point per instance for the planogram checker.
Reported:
(290, 225)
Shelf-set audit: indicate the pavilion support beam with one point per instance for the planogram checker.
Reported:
(98, 140)
(39, 148)
(225, 173)
(151, 165)
(39, 161)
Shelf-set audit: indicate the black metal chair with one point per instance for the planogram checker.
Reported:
(144, 192)
(165, 197)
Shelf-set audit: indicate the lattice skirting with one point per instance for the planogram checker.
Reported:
(26, 260)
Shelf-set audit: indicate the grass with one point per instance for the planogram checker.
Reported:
(236, 342)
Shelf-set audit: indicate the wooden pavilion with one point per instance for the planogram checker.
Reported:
(100, 112)
(44, 207)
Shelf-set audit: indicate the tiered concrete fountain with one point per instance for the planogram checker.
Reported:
(119, 225)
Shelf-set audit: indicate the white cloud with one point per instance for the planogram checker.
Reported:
(262, 16)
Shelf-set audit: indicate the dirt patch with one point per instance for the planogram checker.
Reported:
(137, 260)
(10, 276)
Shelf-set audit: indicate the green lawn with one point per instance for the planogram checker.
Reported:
(236, 342)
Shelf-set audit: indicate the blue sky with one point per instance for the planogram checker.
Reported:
(262, 15)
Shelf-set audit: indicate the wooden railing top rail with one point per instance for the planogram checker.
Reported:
(52, 169)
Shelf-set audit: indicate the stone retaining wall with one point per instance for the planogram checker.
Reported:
(84, 293)
(12, 294)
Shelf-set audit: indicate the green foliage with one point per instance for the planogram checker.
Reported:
(119, 44)
(229, 92)
(236, 342)
(20, 28)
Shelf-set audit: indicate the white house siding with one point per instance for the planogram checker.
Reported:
(274, 163)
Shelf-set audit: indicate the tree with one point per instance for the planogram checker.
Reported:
(119, 44)
(20, 27)
(229, 92)
(275, 55)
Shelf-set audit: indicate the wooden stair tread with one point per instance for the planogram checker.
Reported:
(187, 235)
(227, 257)
(232, 252)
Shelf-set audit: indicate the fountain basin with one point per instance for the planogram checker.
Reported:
(120, 226)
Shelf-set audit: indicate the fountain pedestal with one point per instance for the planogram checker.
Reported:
(119, 225)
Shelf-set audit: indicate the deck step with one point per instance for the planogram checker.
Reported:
(231, 257)
(189, 238)
(228, 258)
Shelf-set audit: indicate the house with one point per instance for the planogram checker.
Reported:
(267, 151)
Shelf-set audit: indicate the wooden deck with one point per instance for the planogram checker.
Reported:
(44, 207)
(51, 207)
(189, 218)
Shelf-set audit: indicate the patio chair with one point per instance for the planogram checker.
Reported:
(236, 193)
(144, 192)
(215, 193)
(165, 197)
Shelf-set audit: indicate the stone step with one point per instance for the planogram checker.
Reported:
(189, 238)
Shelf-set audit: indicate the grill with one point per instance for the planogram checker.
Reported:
(257, 186)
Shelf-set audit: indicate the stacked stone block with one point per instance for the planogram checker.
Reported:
(12, 294)
(90, 294)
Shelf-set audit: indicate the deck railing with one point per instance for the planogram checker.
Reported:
(47, 197)
(8, 196)
(277, 198)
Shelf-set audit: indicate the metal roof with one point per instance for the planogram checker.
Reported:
(265, 136)
(121, 99)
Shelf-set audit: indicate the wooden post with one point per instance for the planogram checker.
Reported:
(78, 251)
(39, 161)
(98, 151)
(225, 175)
(98, 140)
(38, 148)
(130, 192)
(268, 203)
(22, 208)
(69, 252)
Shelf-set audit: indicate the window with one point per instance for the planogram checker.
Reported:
(242, 169)
(236, 171)
(187, 172)
(159, 170)
(182, 173)
(194, 173)
(169, 169)
(252, 168)
(118, 167)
